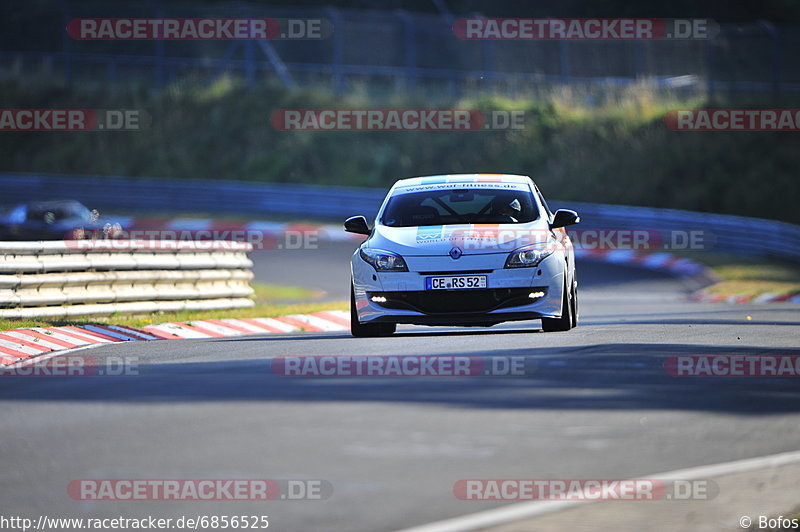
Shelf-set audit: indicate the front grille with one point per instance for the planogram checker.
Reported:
(457, 301)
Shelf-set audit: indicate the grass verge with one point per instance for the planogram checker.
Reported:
(751, 276)
(578, 146)
(270, 301)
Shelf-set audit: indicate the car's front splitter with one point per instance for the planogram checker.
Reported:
(548, 277)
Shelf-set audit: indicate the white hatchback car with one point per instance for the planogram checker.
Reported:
(459, 250)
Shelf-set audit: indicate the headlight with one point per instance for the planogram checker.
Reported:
(384, 261)
(529, 256)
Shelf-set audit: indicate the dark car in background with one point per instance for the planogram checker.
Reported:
(54, 220)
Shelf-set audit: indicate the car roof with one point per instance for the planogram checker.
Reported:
(462, 178)
(54, 204)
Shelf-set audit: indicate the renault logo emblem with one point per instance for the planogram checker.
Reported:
(456, 253)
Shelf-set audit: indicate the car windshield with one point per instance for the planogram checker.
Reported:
(58, 211)
(460, 206)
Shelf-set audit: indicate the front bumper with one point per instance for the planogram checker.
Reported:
(511, 294)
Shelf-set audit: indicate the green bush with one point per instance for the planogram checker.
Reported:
(618, 152)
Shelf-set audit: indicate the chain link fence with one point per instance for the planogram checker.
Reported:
(379, 49)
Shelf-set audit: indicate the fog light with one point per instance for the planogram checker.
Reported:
(536, 295)
(378, 299)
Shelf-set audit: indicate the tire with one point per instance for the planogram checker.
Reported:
(564, 323)
(367, 330)
(575, 314)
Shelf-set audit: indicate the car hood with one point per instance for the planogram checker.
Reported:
(472, 239)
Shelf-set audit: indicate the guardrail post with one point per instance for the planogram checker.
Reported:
(274, 59)
(224, 60)
(159, 46)
(66, 43)
(710, 83)
(409, 46)
(337, 49)
(277, 64)
(638, 59)
(488, 60)
(249, 64)
(775, 36)
(111, 71)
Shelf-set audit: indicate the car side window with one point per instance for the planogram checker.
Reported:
(17, 216)
(544, 203)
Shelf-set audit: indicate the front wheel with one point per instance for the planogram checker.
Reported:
(367, 330)
(565, 322)
(575, 313)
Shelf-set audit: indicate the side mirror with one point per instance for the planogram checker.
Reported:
(564, 217)
(357, 225)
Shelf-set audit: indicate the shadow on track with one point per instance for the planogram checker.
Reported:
(592, 377)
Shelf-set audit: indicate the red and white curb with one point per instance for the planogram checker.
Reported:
(706, 297)
(685, 268)
(19, 345)
(682, 267)
(696, 274)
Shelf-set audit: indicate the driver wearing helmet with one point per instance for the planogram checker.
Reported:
(507, 212)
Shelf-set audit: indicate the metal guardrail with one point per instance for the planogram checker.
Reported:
(78, 278)
(733, 234)
(140, 195)
(722, 233)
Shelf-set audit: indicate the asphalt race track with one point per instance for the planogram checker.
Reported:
(596, 403)
(325, 268)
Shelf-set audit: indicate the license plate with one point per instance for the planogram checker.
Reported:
(462, 282)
